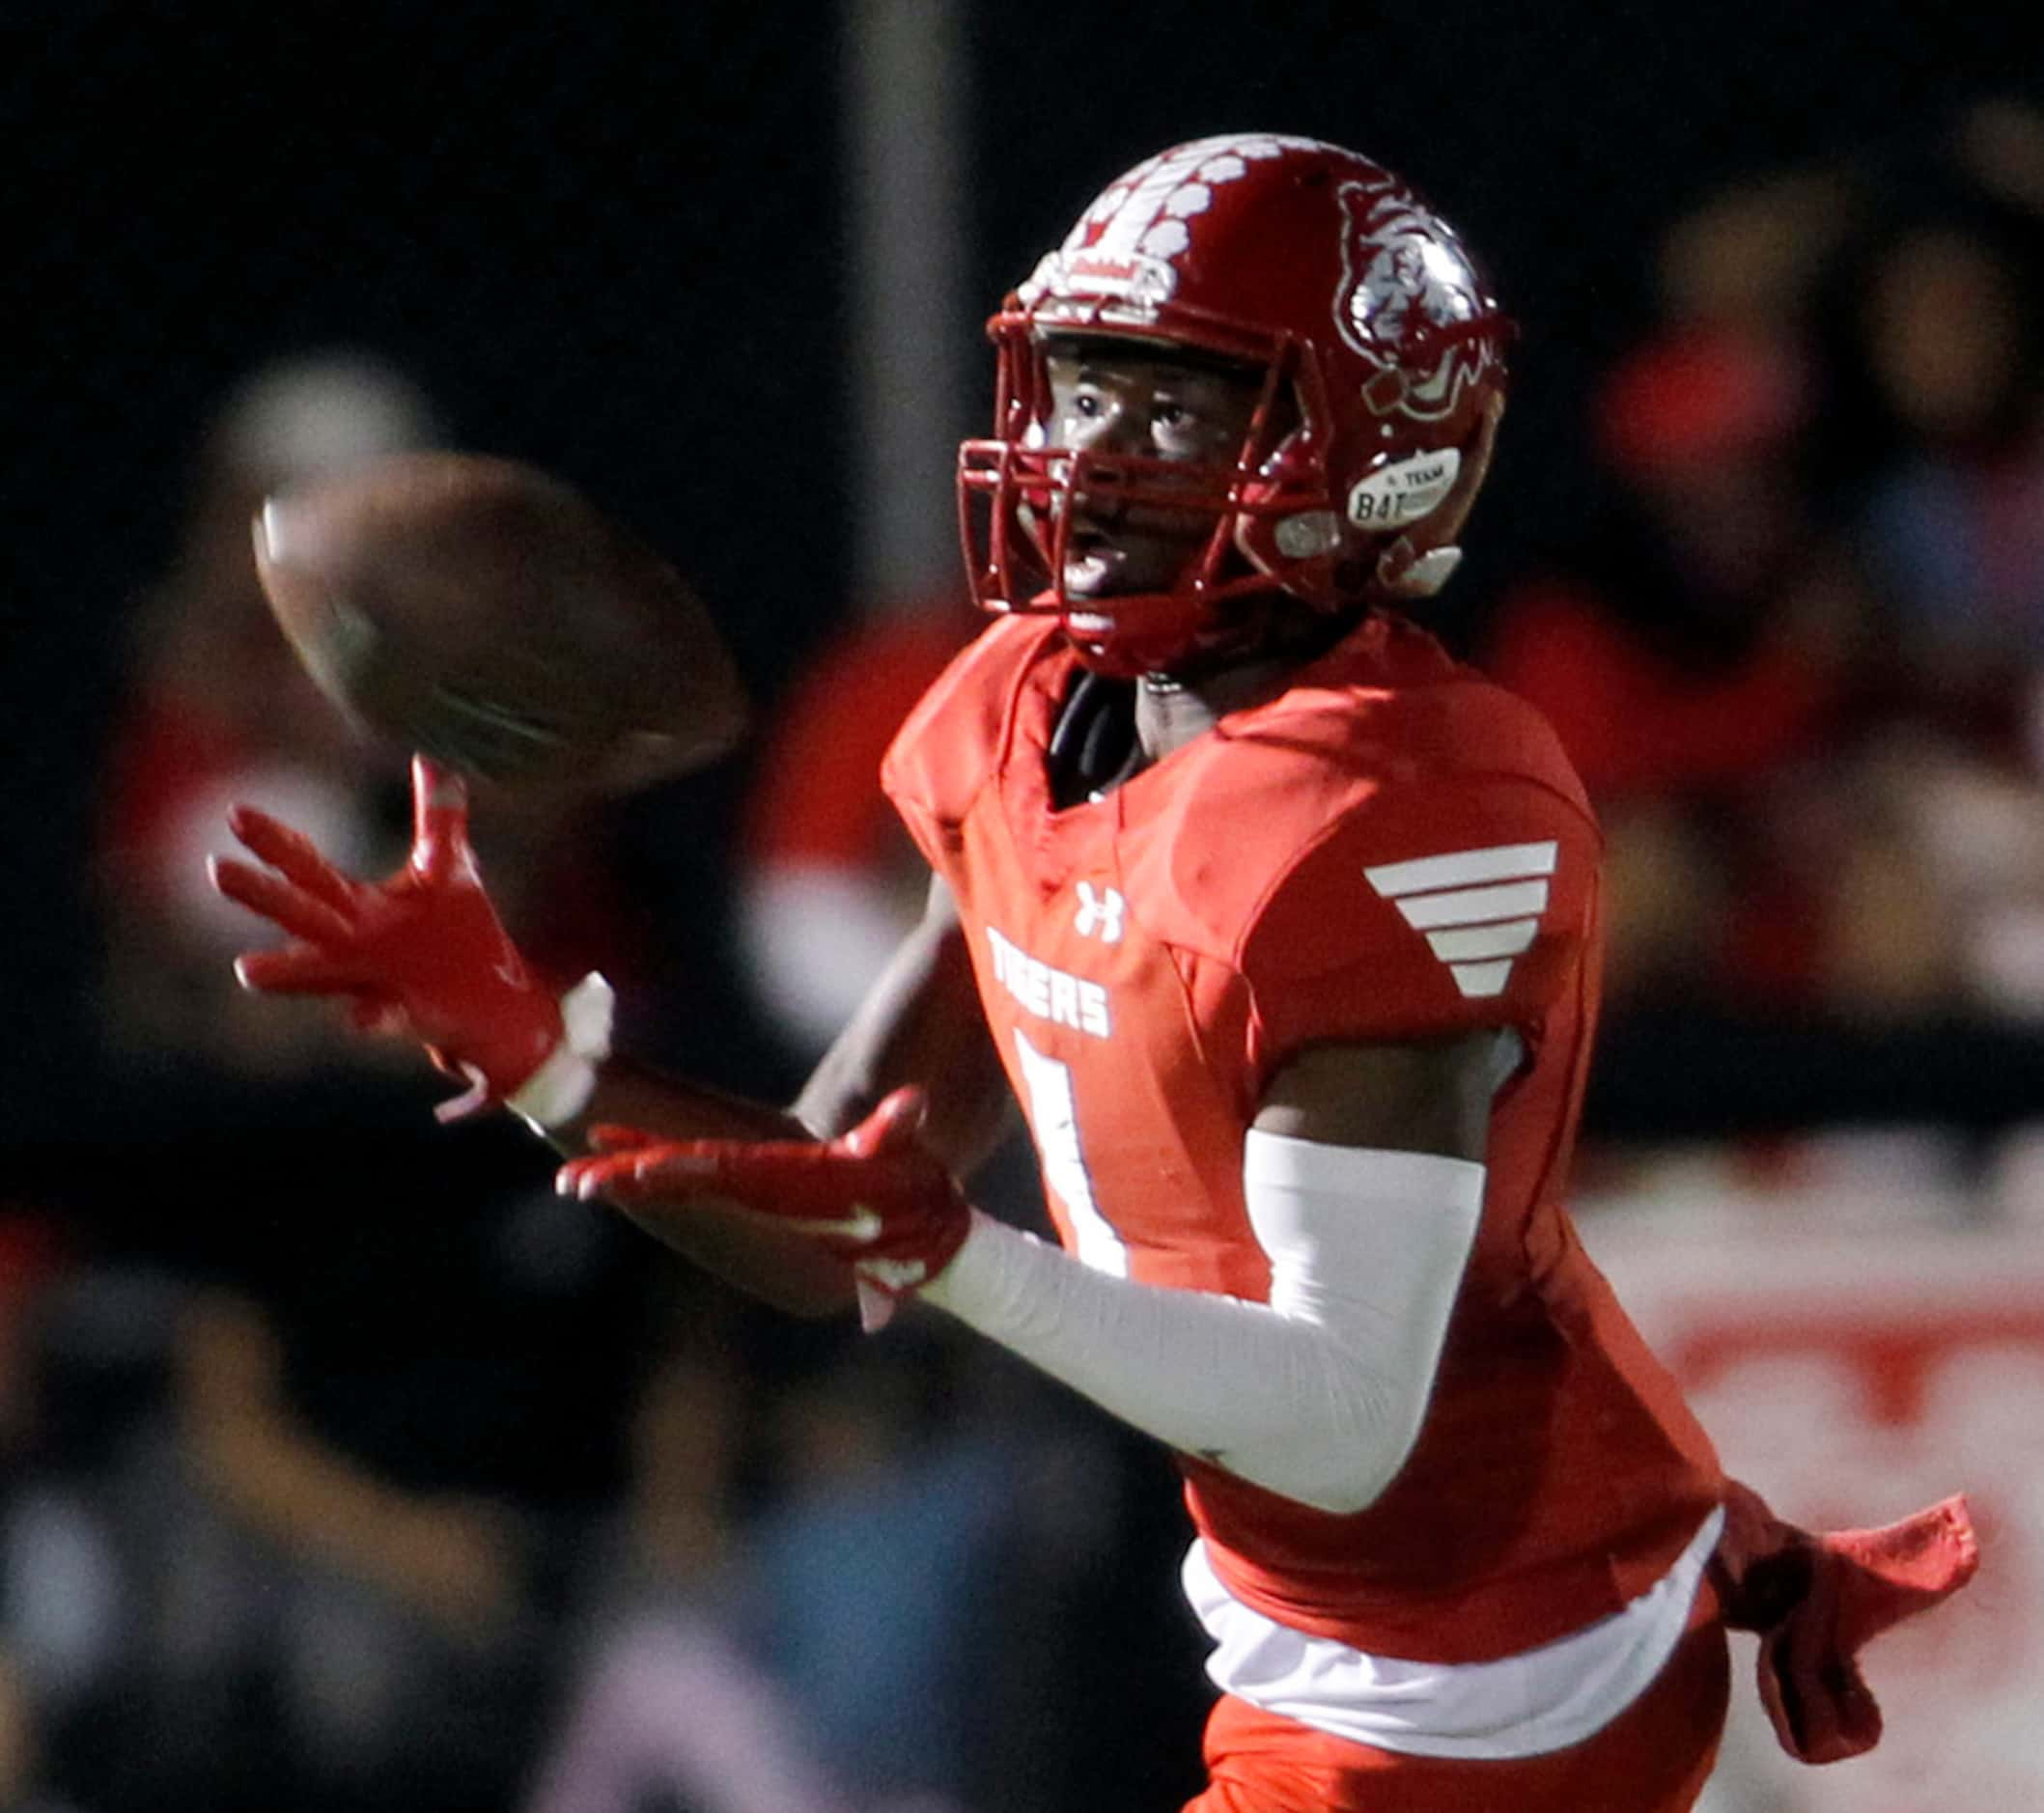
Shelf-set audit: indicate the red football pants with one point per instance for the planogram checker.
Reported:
(1653, 1758)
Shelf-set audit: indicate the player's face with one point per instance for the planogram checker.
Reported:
(1115, 400)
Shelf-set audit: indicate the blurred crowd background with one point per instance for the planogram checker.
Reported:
(343, 1466)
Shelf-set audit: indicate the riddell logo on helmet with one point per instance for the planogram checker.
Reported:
(1104, 272)
(1124, 246)
(1405, 276)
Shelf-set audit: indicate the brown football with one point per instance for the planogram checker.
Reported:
(490, 616)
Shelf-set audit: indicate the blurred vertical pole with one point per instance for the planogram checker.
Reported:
(911, 318)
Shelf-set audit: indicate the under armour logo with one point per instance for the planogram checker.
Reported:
(1099, 913)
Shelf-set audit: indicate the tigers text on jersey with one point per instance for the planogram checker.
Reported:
(1393, 849)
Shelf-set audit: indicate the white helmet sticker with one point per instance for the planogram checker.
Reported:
(1405, 491)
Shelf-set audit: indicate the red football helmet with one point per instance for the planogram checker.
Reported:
(1382, 350)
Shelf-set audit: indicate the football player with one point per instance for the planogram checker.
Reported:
(1283, 928)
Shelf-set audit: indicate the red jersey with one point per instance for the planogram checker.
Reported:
(1393, 849)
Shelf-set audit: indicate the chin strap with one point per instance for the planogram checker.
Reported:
(1817, 1599)
(1405, 573)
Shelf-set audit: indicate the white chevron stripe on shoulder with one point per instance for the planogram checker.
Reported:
(1473, 905)
(1481, 980)
(1500, 862)
(1508, 937)
(1479, 908)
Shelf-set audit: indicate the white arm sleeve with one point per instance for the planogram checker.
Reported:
(1317, 1394)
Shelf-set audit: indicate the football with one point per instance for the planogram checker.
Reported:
(484, 613)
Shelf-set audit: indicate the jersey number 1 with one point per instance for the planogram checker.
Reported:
(1053, 1118)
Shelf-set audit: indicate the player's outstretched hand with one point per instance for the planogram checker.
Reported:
(875, 1196)
(422, 955)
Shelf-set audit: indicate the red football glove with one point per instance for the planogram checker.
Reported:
(873, 1196)
(421, 954)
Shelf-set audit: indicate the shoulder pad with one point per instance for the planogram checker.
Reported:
(953, 742)
(1274, 784)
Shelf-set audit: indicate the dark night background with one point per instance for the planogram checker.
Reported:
(610, 240)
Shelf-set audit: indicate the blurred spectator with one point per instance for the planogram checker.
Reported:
(217, 1600)
(1748, 258)
(870, 1567)
(77, 1504)
(1999, 143)
(218, 710)
(668, 1708)
(385, 1411)
(828, 881)
(1935, 363)
(928, 1498)
(1948, 332)
(831, 1643)
(1698, 653)
(398, 1408)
